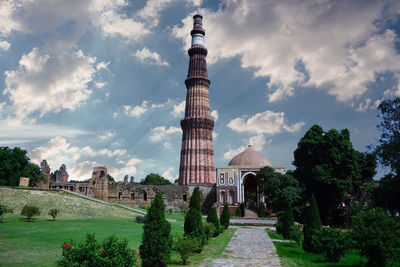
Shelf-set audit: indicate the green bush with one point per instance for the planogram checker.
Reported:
(30, 211)
(225, 217)
(156, 239)
(312, 223)
(193, 225)
(377, 237)
(285, 222)
(212, 217)
(140, 219)
(261, 210)
(185, 246)
(3, 210)
(242, 209)
(209, 230)
(332, 242)
(170, 211)
(238, 212)
(111, 252)
(295, 234)
(54, 213)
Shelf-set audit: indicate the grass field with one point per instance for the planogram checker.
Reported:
(292, 255)
(38, 243)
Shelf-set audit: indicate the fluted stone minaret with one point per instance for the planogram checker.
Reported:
(197, 153)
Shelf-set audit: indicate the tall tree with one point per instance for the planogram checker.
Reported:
(155, 179)
(388, 150)
(329, 167)
(312, 223)
(12, 164)
(156, 239)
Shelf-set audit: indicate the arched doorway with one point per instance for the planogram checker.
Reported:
(250, 191)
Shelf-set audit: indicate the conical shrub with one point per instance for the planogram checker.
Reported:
(312, 223)
(225, 217)
(212, 217)
(261, 210)
(286, 221)
(193, 225)
(156, 239)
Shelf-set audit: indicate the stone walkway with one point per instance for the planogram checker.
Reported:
(249, 246)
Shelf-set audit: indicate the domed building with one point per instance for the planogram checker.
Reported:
(236, 183)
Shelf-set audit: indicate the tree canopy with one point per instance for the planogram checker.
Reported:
(155, 179)
(329, 167)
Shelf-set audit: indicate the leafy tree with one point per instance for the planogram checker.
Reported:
(312, 224)
(111, 252)
(155, 179)
(193, 225)
(329, 167)
(3, 210)
(32, 171)
(261, 210)
(156, 239)
(387, 194)
(333, 243)
(212, 217)
(377, 236)
(209, 230)
(12, 163)
(388, 150)
(110, 178)
(30, 211)
(54, 213)
(280, 190)
(225, 217)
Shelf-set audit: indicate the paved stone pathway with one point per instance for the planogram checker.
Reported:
(249, 246)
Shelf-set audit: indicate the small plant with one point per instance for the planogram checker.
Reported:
(209, 230)
(3, 210)
(295, 234)
(225, 217)
(332, 242)
(111, 252)
(261, 210)
(30, 211)
(285, 222)
(140, 219)
(170, 211)
(212, 217)
(54, 213)
(186, 246)
(238, 212)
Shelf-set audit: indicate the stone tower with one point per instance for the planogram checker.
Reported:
(197, 153)
(45, 169)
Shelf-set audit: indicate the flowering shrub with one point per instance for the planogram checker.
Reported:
(111, 252)
(186, 246)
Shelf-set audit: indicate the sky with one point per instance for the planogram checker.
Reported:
(101, 82)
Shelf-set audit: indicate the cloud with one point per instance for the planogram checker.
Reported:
(161, 132)
(267, 122)
(7, 22)
(102, 65)
(107, 135)
(44, 82)
(4, 45)
(152, 58)
(179, 109)
(107, 152)
(152, 9)
(170, 174)
(215, 115)
(136, 111)
(307, 43)
(129, 169)
(82, 170)
(167, 145)
(257, 142)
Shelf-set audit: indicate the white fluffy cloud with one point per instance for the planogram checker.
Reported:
(128, 169)
(161, 132)
(44, 82)
(179, 109)
(267, 122)
(215, 115)
(334, 45)
(170, 174)
(152, 58)
(257, 142)
(107, 135)
(82, 170)
(136, 111)
(4, 45)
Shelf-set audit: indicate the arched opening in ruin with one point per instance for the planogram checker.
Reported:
(102, 174)
(120, 195)
(132, 196)
(145, 196)
(250, 191)
(185, 197)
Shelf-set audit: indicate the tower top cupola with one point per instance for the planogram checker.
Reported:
(198, 32)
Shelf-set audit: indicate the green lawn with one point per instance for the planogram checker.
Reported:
(292, 255)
